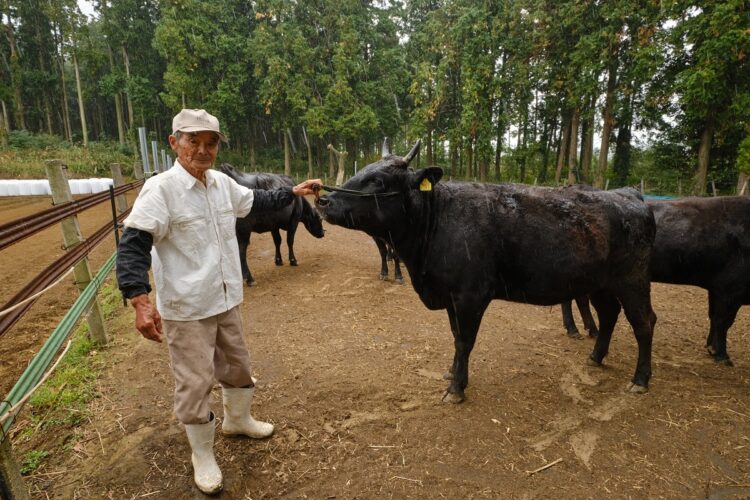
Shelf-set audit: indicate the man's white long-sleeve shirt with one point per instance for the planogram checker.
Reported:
(196, 261)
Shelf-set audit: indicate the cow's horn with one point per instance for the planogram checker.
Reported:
(414, 150)
(386, 149)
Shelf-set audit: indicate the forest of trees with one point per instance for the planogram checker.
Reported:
(546, 91)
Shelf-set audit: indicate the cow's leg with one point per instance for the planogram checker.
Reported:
(397, 265)
(722, 312)
(383, 258)
(465, 319)
(607, 308)
(568, 321)
(243, 241)
(290, 244)
(276, 235)
(636, 303)
(588, 320)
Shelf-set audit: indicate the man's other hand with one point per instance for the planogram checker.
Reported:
(147, 318)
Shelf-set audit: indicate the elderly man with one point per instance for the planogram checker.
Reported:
(187, 215)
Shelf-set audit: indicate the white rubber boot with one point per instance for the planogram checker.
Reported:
(237, 418)
(206, 472)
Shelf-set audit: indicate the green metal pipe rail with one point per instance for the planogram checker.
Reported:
(35, 371)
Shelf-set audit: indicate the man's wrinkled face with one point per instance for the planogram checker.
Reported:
(196, 150)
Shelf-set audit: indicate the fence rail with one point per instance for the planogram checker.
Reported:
(14, 231)
(51, 273)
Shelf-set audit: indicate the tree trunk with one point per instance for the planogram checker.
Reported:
(341, 157)
(547, 138)
(65, 112)
(470, 158)
(5, 125)
(524, 151)
(742, 183)
(45, 92)
(126, 61)
(430, 152)
(331, 161)
(454, 158)
(500, 131)
(308, 143)
(607, 119)
(704, 153)
(573, 149)
(118, 102)
(251, 145)
(287, 156)
(587, 149)
(84, 129)
(15, 77)
(563, 149)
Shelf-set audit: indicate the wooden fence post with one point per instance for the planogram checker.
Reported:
(72, 237)
(137, 170)
(12, 486)
(120, 201)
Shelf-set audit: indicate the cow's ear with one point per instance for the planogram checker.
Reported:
(425, 178)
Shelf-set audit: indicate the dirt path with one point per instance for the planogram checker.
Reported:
(350, 372)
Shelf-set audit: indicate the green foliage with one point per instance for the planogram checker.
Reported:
(22, 139)
(743, 156)
(32, 460)
(469, 75)
(63, 399)
(26, 157)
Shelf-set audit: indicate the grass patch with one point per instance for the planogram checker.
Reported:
(63, 400)
(27, 155)
(32, 460)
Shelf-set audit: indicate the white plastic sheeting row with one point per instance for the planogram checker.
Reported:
(15, 187)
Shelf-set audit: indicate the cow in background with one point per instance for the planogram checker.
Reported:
(704, 242)
(589, 324)
(287, 218)
(387, 253)
(466, 244)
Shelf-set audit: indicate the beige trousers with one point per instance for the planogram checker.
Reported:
(203, 351)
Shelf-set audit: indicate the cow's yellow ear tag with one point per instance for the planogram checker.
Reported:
(425, 185)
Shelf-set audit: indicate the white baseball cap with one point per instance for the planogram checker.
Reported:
(196, 120)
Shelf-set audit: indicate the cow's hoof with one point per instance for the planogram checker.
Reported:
(451, 397)
(383, 277)
(575, 335)
(637, 389)
(593, 333)
(592, 362)
(292, 262)
(400, 281)
(279, 262)
(448, 376)
(725, 360)
(719, 358)
(250, 282)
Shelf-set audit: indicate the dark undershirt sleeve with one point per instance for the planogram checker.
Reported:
(269, 200)
(133, 262)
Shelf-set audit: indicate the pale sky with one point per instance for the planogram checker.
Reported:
(87, 7)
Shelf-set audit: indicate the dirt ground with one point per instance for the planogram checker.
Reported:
(350, 373)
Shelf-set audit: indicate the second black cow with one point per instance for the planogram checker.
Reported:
(704, 242)
(465, 244)
(287, 218)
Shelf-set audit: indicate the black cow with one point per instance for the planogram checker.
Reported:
(287, 218)
(465, 244)
(705, 242)
(387, 253)
(589, 324)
